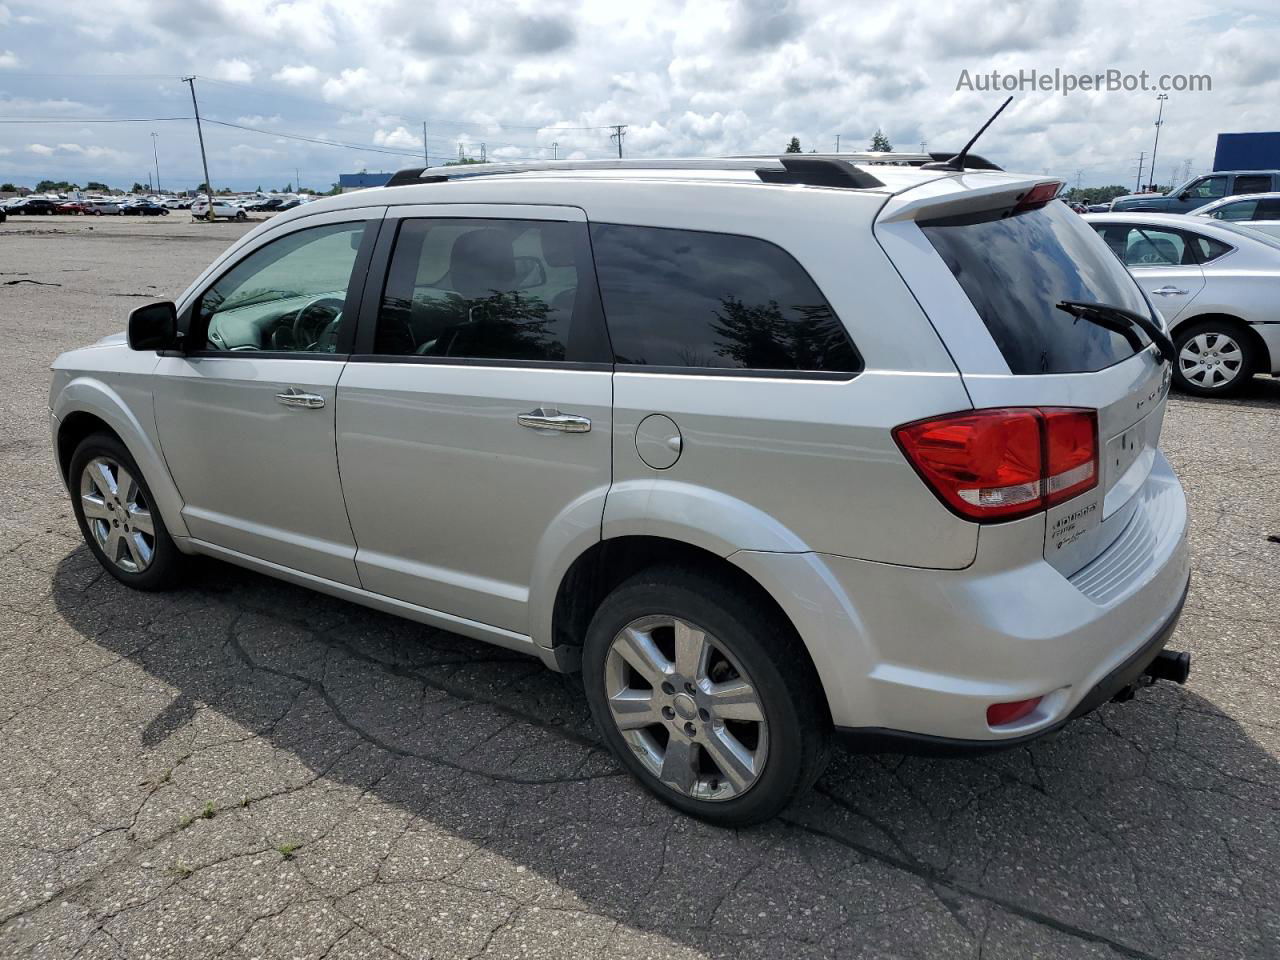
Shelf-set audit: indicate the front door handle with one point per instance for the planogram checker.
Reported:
(1169, 291)
(549, 418)
(293, 397)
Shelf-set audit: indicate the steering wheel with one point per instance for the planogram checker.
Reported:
(316, 319)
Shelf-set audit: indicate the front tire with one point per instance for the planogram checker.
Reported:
(706, 695)
(1215, 358)
(117, 517)
(241, 217)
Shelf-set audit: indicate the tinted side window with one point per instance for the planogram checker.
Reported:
(491, 290)
(1154, 247)
(1252, 184)
(1241, 210)
(1268, 209)
(683, 298)
(1206, 248)
(1210, 188)
(286, 296)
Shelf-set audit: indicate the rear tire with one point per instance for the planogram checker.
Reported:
(1215, 358)
(706, 695)
(241, 217)
(117, 516)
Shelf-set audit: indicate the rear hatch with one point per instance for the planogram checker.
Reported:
(990, 268)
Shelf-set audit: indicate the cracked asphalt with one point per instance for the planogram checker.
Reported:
(242, 768)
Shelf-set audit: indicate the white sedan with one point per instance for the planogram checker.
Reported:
(1216, 284)
(1258, 211)
(221, 210)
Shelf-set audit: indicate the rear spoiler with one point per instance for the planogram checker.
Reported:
(966, 194)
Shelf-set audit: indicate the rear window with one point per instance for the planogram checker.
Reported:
(1015, 269)
(687, 299)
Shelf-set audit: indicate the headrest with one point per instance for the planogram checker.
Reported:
(482, 261)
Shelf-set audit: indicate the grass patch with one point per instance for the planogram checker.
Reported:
(287, 850)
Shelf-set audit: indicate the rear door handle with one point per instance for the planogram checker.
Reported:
(549, 418)
(293, 397)
(1169, 291)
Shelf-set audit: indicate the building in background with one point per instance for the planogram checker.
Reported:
(1247, 151)
(360, 181)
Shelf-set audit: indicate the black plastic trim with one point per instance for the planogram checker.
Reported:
(884, 740)
(819, 172)
(839, 376)
(478, 362)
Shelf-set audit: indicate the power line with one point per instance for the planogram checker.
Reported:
(90, 119)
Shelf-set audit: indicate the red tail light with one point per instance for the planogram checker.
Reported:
(1004, 714)
(1005, 463)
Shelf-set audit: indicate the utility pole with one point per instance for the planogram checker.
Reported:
(156, 155)
(924, 146)
(837, 143)
(297, 180)
(619, 131)
(1079, 177)
(555, 150)
(1142, 159)
(484, 156)
(1159, 123)
(191, 82)
(426, 160)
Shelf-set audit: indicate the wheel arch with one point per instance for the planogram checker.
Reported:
(86, 406)
(607, 563)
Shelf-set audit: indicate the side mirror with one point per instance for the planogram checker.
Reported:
(1184, 195)
(154, 326)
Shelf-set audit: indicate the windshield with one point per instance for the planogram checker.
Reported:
(1017, 269)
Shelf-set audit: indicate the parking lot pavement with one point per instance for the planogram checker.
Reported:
(244, 768)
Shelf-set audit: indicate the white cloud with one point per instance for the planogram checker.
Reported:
(236, 71)
(303, 76)
(40, 150)
(9, 60)
(399, 137)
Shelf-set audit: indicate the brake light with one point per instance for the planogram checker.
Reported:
(1038, 196)
(1005, 463)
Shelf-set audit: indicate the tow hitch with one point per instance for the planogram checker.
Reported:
(1174, 665)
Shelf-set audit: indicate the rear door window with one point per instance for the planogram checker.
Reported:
(689, 299)
(1252, 183)
(1016, 269)
(1240, 210)
(503, 290)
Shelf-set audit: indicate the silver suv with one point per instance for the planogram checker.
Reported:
(770, 450)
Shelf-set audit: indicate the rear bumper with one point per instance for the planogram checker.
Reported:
(907, 654)
(880, 740)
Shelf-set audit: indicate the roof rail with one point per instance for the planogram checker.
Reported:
(809, 169)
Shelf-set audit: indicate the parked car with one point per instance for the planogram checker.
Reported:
(3, 216)
(1217, 285)
(657, 430)
(222, 210)
(1198, 191)
(144, 208)
(101, 207)
(1261, 211)
(72, 207)
(30, 206)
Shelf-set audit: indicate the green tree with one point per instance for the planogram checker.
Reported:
(1096, 194)
(287, 188)
(99, 187)
(880, 143)
(462, 162)
(8, 188)
(138, 188)
(55, 186)
(793, 146)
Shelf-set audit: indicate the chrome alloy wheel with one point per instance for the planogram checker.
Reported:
(117, 514)
(686, 708)
(1211, 360)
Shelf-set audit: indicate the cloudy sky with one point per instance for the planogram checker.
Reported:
(689, 79)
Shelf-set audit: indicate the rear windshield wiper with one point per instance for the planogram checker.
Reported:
(1123, 322)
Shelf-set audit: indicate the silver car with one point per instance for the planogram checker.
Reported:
(1259, 212)
(771, 450)
(1218, 286)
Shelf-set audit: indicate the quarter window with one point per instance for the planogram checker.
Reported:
(287, 296)
(682, 298)
(1268, 209)
(491, 290)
